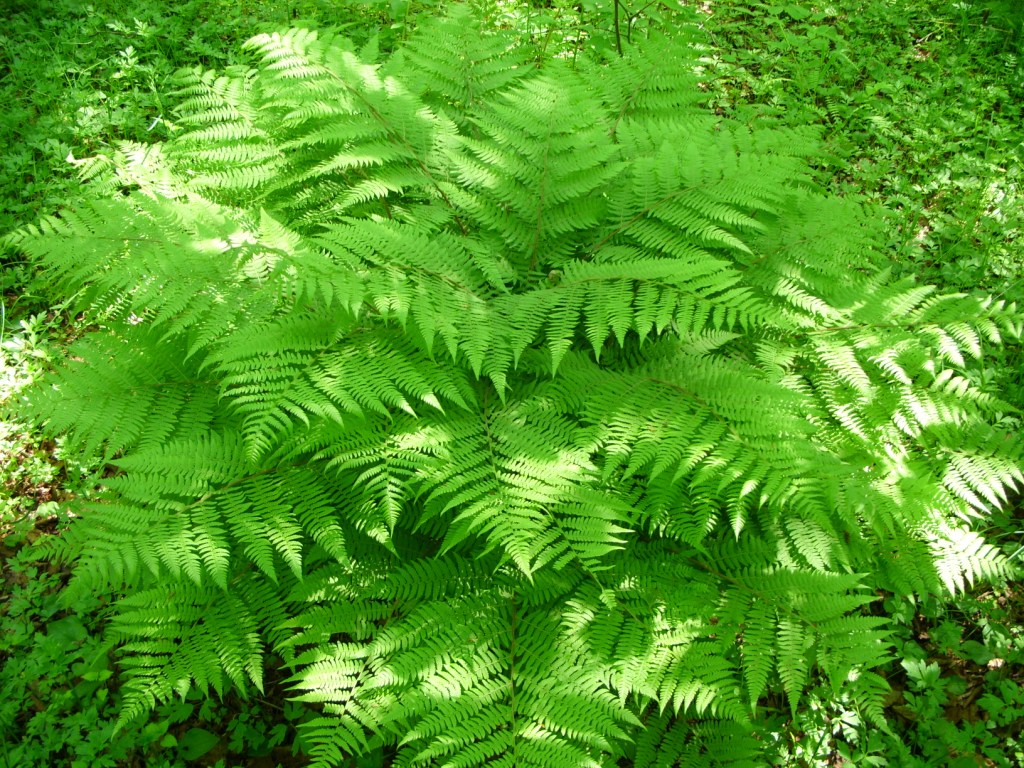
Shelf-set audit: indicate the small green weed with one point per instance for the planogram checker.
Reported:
(959, 694)
(56, 709)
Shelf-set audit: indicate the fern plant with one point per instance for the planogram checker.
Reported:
(524, 413)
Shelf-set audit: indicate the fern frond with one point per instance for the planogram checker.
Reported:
(456, 65)
(126, 397)
(185, 638)
(962, 557)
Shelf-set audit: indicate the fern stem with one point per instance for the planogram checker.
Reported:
(513, 626)
(618, 31)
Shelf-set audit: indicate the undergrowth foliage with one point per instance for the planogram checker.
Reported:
(526, 414)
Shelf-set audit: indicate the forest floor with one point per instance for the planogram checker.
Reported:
(921, 107)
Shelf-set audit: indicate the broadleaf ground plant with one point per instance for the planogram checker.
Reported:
(523, 413)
